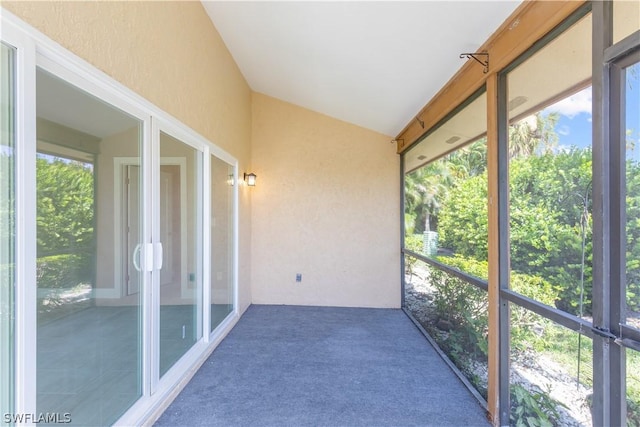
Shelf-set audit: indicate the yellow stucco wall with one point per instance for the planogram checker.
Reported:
(326, 205)
(326, 202)
(171, 54)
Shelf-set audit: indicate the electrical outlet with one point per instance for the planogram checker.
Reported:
(299, 277)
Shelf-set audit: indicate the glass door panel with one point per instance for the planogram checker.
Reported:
(222, 296)
(7, 225)
(181, 237)
(88, 182)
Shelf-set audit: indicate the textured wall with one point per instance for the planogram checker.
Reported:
(171, 54)
(325, 205)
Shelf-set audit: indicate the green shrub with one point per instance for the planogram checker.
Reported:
(633, 388)
(527, 328)
(462, 306)
(532, 409)
(633, 413)
(63, 271)
(409, 223)
(413, 242)
(470, 266)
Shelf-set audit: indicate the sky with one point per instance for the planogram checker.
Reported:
(574, 124)
(633, 107)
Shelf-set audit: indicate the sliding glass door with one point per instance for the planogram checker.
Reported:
(89, 182)
(7, 225)
(180, 225)
(222, 208)
(117, 243)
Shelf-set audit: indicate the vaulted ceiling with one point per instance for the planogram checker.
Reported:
(373, 64)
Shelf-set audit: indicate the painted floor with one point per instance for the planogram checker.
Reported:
(319, 366)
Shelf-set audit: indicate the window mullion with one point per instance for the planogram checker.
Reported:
(603, 412)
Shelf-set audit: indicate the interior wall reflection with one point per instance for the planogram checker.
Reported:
(222, 190)
(89, 220)
(181, 237)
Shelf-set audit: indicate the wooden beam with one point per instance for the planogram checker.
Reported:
(494, 271)
(526, 25)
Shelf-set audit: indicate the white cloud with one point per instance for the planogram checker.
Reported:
(563, 130)
(573, 105)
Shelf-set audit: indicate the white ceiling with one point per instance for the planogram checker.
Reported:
(373, 64)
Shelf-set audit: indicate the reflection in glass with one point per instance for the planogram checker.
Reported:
(221, 241)
(181, 237)
(550, 178)
(7, 225)
(551, 371)
(88, 179)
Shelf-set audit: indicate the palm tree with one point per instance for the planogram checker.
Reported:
(426, 189)
(533, 135)
(469, 161)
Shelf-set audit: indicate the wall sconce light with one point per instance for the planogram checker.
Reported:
(231, 181)
(250, 179)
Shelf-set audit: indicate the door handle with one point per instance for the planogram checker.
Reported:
(158, 255)
(148, 257)
(136, 257)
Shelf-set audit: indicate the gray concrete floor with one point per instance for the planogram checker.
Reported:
(319, 366)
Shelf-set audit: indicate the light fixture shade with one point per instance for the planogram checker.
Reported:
(250, 179)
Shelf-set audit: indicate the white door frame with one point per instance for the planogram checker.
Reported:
(37, 49)
(120, 269)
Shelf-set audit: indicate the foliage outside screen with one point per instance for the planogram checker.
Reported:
(551, 242)
(550, 211)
